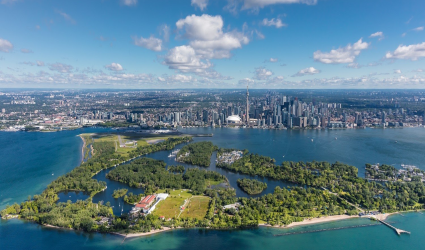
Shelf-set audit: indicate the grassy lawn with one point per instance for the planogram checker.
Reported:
(142, 140)
(197, 208)
(212, 182)
(170, 207)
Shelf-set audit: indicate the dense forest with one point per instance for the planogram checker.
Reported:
(339, 178)
(176, 169)
(251, 186)
(153, 175)
(198, 153)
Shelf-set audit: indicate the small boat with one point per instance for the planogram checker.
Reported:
(311, 139)
(336, 138)
(53, 174)
(283, 156)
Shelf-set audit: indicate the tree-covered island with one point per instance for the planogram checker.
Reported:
(198, 153)
(252, 186)
(184, 198)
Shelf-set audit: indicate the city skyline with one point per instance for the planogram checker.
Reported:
(273, 44)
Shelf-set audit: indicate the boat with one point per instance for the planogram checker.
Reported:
(336, 138)
(53, 174)
(311, 139)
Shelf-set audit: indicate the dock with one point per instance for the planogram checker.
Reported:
(398, 231)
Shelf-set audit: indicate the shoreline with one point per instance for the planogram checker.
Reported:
(155, 231)
(326, 219)
(82, 148)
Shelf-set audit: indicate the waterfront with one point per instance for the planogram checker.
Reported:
(368, 144)
(358, 234)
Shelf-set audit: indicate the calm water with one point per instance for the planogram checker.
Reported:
(30, 159)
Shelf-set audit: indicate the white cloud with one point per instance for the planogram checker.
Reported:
(255, 4)
(185, 59)
(151, 43)
(128, 2)
(397, 71)
(262, 74)
(182, 78)
(346, 54)
(201, 4)
(203, 27)
(61, 68)
(410, 52)
(307, 71)
(165, 32)
(419, 28)
(26, 51)
(5, 45)
(206, 41)
(114, 67)
(273, 22)
(207, 36)
(418, 70)
(273, 60)
(66, 16)
(378, 34)
(40, 63)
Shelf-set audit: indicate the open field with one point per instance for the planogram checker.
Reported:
(142, 140)
(170, 207)
(197, 208)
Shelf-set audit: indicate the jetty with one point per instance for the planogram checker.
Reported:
(398, 231)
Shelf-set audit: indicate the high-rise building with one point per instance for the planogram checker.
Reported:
(205, 116)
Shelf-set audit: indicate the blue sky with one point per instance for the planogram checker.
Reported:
(212, 44)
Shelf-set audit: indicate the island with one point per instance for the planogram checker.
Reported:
(197, 153)
(119, 193)
(178, 197)
(252, 186)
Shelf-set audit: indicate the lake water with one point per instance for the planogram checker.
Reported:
(30, 159)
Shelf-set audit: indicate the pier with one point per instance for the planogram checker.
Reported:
(398, 231)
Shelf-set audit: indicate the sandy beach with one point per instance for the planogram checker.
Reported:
(164, 229)
(82, 148)
(327, 219)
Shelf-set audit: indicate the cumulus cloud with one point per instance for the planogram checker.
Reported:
(201, 4)
(397, 71)
(346, 54)
(419, 28)
(26, 51)
(273, 60)
(61, 67)
(307, 71)
(66, 16)
(128, 2)
(203, 27)
(151, 43)
(5, 45)
(185, 59)
(114, 67)
(277, 22)
(262, 73)
(207, 36)
(411, 52)
(207, 41)
(378, 34)
(40, 63)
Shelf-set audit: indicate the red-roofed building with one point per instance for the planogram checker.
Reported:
(146, 202)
